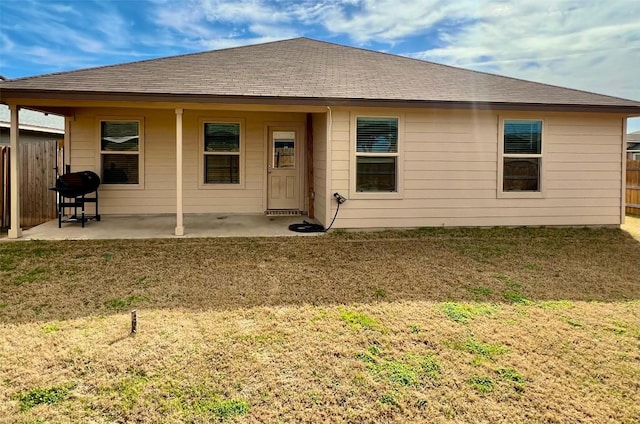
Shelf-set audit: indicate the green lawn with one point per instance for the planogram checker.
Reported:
(462, 325)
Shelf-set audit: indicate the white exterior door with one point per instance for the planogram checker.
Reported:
(283, 172)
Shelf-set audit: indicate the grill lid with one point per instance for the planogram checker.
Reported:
(77, 184)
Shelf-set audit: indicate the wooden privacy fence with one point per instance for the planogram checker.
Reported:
(38, 174)
(633, 187)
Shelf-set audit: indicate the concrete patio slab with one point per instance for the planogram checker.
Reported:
(162, 226)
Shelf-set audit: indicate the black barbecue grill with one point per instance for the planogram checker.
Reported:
(72, 189)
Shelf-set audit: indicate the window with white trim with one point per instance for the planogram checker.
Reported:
(221, 146)
(521, 155)
(376, 155)
(120, 146)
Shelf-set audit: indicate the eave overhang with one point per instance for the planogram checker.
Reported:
(22, 96)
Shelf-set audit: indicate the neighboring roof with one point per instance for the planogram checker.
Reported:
(33, 121)
(302, 68)
(633, 137)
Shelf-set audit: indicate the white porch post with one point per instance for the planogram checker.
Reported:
(14, 230)
(179, 213)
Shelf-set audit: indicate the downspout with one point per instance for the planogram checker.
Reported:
(310, 171)
(179, 231)
(623, 179)
(329, 166)
(14, 159)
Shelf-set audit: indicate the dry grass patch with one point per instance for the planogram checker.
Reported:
(343, 328)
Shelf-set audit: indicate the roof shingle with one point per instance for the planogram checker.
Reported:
(309, 69)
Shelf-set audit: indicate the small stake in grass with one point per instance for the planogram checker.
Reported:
(134, 322)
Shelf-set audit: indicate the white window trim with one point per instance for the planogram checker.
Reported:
(353, 193)
(141, 143)
(501, 194)
(201, 154)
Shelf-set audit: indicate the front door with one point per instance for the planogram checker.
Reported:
(283, 172)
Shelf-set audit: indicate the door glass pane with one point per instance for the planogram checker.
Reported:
(375, 174)
(521, 174)
(284, 149)
(119, 136)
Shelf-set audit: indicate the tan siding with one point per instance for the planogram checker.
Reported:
(583, 148)
(473, 212)
(417, 165)
(447, 221)
(450, 172)
(340, 156)
(582, 130)
(582, 166)
(471, 146)
(450, 168)
(158, 192)
(412, 152)
(583, 183)
(452, 184)
(482, 205)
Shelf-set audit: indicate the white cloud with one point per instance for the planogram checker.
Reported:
(6, 44)
(585, 45)
(243, 11)
(388, 20)
(588, 44)
(215, 24)
(225, 43)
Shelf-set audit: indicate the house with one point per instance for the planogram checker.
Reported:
(40, 138)
(34, 126)
(633, 145)
(282, 126)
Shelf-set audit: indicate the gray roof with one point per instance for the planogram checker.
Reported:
(633, 137)
(302, 68)
(32, 120)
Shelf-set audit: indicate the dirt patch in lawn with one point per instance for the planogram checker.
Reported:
(467, 325)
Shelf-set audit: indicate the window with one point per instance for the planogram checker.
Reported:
(522, 156)
(120, 152)
(221, 153)
(284, 149)
(377, 155)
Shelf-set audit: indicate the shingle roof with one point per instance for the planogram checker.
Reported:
(33, 120)
(308, 69)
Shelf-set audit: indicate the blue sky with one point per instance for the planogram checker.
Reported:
(582, 44)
